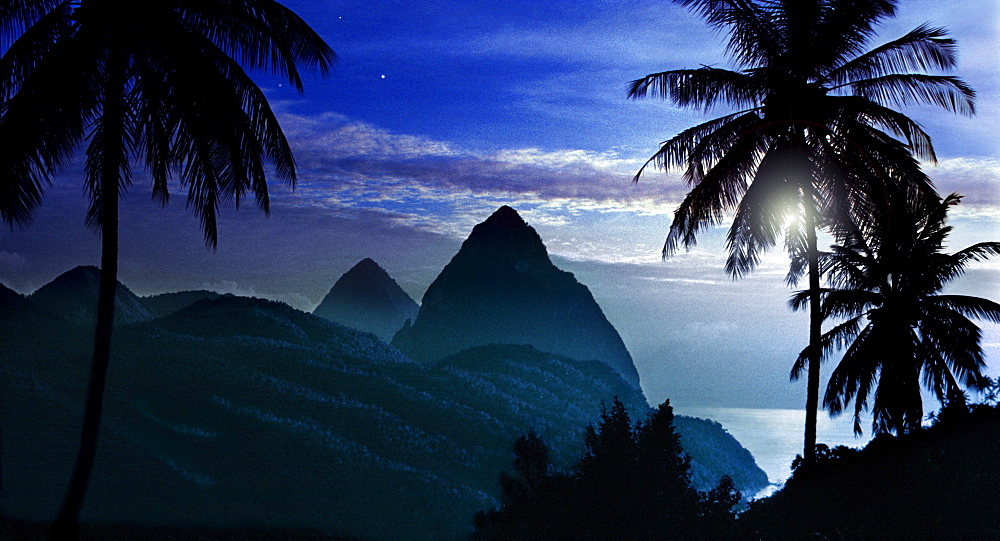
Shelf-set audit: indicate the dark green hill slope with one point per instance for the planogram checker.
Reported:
(239, 412)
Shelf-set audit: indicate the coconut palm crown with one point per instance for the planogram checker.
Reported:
(899, 329)
(814, 134)
(161, 83)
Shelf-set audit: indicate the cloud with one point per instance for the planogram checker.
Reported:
(349, 164)
(442, 187)
(976, 179)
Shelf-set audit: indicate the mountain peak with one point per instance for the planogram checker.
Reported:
(73, 295)
(367, 298)
(366, 266)
(502, 288)
(504, 241)
(506, 216)
(83, 274)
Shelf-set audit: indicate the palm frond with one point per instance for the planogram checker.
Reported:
(937, 376)
(704, 87)
(765, 206)
(946, 91)
(260, 34)
(796, 245)
(41, 127)
(840, 337)
(18, 16)
(967, 306)
(108, 171)
(719, 190)
(155, 135)
(853, 129)
(703, 144)
(30, 49)
(846, 28)
(977, 252)
(753, 38)
(922, 49)
(854, 376)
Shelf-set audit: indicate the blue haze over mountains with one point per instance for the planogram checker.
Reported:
(235, 411)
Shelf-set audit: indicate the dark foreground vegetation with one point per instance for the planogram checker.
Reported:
(632, 482)
(942, 482)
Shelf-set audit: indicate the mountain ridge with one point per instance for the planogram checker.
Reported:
(73, 295)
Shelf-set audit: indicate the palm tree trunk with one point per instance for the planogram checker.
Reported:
(66, 525)
(67, 521)
(815, 331)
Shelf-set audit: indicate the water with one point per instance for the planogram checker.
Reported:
(775, 436)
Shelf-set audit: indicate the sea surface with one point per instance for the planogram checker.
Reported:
(775, 436)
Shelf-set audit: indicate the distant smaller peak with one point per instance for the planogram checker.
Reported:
(82, 272)
(505, 216)
(84, 269)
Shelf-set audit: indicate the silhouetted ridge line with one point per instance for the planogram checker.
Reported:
(73, 295)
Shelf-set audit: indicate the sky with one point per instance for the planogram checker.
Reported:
(439, 112)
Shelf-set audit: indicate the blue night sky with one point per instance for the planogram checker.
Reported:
(439, 112)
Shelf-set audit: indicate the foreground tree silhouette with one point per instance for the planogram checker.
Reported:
(814, 134)
(900, 329)
(632, 482)
(158, 83)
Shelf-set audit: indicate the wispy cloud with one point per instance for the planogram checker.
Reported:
(348, 163)
(444, 188)
(976, 179)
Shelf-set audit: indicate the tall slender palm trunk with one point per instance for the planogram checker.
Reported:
(815, 330)
(66, 525)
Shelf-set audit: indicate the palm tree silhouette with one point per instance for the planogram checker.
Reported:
(814, 135)
(158, 83)
(899, 328)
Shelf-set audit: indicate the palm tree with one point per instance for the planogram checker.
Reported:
(814, 134)
(899, 329)
(157, 83)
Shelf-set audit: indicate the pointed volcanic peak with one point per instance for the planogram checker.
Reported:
(368, 299)
(501, 288)
(73, 295)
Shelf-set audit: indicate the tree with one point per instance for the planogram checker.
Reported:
(899, 328)
(157, 83)
(632, 482)
(814, 135)
(664, 495)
